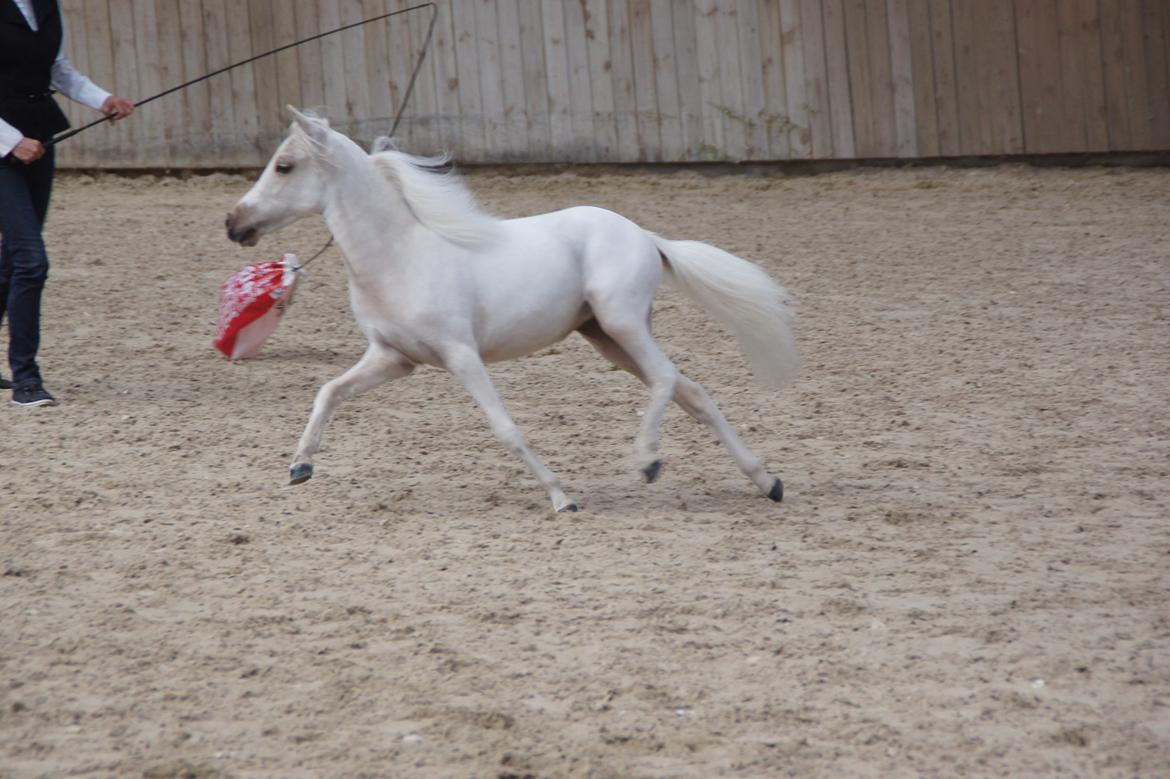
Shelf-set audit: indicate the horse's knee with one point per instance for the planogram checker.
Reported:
(509, 434)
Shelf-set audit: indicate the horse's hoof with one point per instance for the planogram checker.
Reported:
(300, 473)
(777, 491)
(567, 507)
(651, 471)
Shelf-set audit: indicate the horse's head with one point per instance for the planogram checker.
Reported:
(291, 185)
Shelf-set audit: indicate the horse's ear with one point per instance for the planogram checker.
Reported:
(314, 128)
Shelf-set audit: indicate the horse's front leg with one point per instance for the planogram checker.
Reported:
(378, 364)
(466, 365)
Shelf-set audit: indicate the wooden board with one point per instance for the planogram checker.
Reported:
(798, 130)
(596, 20)
(816, 79)
(625, 102)
(902, 79)
(837, 85)
(922, 78)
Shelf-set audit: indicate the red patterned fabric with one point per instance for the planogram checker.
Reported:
(251, 304)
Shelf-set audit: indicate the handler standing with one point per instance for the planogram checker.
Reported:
(32, 65)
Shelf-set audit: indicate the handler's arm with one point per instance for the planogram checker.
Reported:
(70, 82)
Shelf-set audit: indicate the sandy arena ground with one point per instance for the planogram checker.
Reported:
(969, 575)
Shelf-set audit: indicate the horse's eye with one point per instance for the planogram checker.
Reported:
(284, 168)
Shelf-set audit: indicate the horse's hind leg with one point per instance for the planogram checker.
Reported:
(467, 366)
(632, 336)
(378, 364)
(693, 399)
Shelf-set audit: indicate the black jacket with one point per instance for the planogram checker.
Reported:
(26, 62)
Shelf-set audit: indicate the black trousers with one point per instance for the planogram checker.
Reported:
(24, 264)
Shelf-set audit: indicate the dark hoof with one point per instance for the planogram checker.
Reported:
(651, 471)
(777, 491)
(567, 507)
(300, 473)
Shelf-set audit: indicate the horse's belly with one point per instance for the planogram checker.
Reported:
(513, 337)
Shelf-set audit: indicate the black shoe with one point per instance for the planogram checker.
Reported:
(5, 384)
(32, 395)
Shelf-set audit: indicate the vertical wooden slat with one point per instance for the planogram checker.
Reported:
(491, 85)
(359, 111)
(379, 75)
(556, 60)
(712, 145)
(751, 77)
(580, 93)
(880, 80)
(816, 79)
(332, 62)
(1116, 79)
(170, 73)
(309, 61)
(124, 135)
(625, 105)
(1040, 77)
(512, 76)
(197, 147)
(474, 132)
(731, 105)
(974, 120)
(840, 91)
(269, 123)
(777, 122)
(601, 84)
(536, 91)
(793, 40)
(864, 110)
(1000, 72)
(422, 111)
(247, 126)
(1082, 79)
(687, 64)
(151, 122)
(922, 72)
(645, 83)
(669, 103)
(1137, 93)
(902, 78)
(1157, 62)
(288, 67)
(946, 91)
(446, 70)
(398, 34)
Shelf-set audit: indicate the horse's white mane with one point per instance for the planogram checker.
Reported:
(435, 195)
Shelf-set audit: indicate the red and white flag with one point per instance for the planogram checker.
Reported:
(251, 304)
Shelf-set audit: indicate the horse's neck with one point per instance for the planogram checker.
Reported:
(367, 216)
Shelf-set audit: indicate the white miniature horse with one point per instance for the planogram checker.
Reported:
(434, 280)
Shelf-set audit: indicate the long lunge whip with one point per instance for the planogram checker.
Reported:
(405, 98)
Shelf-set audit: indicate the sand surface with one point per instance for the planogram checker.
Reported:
(969, 575)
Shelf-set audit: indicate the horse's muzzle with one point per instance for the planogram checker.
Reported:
(245, 236)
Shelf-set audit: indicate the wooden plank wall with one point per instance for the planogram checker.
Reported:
(635, 80)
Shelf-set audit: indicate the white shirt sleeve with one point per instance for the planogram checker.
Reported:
(70, 82)
(9, 137)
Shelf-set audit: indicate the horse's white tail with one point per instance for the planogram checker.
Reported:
(742, 296)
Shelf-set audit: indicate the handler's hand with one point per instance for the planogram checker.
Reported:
(117, 107)
(28, 150)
